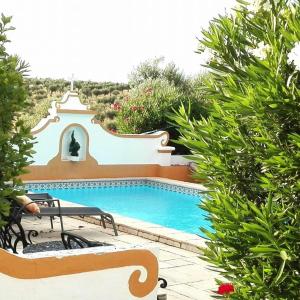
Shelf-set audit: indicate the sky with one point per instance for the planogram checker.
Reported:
(104, 40)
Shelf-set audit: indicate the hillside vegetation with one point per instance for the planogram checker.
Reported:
(100, 96)
(154, 91)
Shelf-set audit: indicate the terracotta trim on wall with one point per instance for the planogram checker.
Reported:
(24, 268)
(89, 169)
(54, 120)
(164, 151)
(75, 111)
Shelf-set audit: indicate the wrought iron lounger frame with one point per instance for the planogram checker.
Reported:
(60, 211)
(14, 238)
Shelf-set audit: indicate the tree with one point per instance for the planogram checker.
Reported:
(151, 69)
(247, 149)
(15, 138)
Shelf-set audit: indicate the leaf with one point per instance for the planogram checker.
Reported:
(273, 105)
(284, 255)
(279, 274)
(261, 249)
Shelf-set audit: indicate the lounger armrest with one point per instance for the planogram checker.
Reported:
(52, 201)
(49, 201)
(39, 196)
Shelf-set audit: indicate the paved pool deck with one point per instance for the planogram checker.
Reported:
(189, 278)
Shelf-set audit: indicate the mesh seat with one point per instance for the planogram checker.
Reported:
(51, 210)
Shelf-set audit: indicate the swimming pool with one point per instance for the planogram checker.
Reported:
(168, 207)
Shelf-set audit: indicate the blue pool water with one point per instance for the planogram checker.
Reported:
(151, 204)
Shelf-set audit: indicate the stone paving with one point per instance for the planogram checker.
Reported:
(189, 278)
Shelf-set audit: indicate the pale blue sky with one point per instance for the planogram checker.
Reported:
(103, 40)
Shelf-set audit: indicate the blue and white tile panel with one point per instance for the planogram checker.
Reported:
(111, 183)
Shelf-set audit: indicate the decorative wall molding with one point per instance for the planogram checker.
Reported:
(64, 267)
(74, 111)
(165, 151)
(54, 120)
(156, 135)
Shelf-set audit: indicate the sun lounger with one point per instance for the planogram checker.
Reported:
(15, 238)
(61, 211)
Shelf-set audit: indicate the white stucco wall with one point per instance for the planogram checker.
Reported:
(108, 284)
(106, 148)
(111, 284)
(180, 160)
(71, 101)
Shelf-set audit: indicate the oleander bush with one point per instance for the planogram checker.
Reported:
(155, 91)
(15, 138)
(146, 106)
(247, 149)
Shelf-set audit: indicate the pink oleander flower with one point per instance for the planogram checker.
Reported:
(116, 106)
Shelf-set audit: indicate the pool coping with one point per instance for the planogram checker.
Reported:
(154, 232)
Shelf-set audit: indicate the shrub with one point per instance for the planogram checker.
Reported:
(110, 114)
(146, 107)
(53, 88)
(15, 139)
(96, 92)
(87, 91)
(37, 112)
(247, 150)
(110, 124)
(115, 92)
(41, 92)
(78, 84)
(38, 97)
(105, 91)
(107, 99)
(100, 116)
